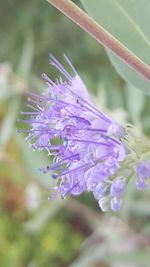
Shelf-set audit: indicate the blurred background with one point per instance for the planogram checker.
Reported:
(35, 232)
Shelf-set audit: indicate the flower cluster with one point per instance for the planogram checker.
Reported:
(88, 148)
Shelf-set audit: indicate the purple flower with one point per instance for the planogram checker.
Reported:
(143, 169)
(116, 204)
(86, 144)
(118, 187)
(101, 190)
(143, 173)
(141, 184)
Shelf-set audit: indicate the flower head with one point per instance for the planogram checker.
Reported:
(87, 146)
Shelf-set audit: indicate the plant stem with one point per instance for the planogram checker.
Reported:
(72, 11)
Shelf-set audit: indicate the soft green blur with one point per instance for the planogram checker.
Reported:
(35, 232)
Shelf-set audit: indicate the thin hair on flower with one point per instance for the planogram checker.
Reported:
(90, 150)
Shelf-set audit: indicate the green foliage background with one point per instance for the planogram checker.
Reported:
(72, 232)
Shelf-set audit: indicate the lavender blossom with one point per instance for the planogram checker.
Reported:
(87, 146)
(118, 187)
(143, 173)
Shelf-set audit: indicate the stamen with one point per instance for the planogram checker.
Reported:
(35, 95)
(88, 141)
(109, 138)
(75, 169)
(71, 189)
(75, 156)
(34, 108)
(29, 113)
(58, 166)
(65, 103)
(81, 119)
(97, 112)
(51, 147)
(33, 121)
(93, 130)
(23, 131)
(56, 64)
(45, 77)
(70, 64)
(35, 102)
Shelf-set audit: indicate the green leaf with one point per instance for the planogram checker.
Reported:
(26, 60)
(128, 21)
(40, 219)
(88, 259)
(8, 123)
(135, 108)
(139, 258)
(5, 74)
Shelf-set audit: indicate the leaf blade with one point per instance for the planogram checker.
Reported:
(125, 23)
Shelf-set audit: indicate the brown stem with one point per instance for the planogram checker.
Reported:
(101, 35)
